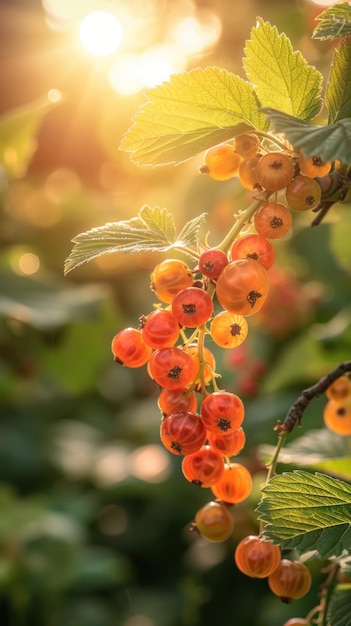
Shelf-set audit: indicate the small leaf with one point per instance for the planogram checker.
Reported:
(331, 142)
(307, 512)
(191, 113)
(18, 129)
(282, 78)
(335, 22)
(152, 231)
(338, 91)
(339, 609)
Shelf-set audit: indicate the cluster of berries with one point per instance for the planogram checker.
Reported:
(170, 340)
(287, 579)
(337, 411)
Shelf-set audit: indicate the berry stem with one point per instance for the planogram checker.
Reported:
(244, 217)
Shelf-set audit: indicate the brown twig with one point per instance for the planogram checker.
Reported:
(296, 411)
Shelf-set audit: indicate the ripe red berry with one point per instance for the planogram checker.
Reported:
(175, 400)
(160, 329)
(235, 485)
(242, 287)
(273, 220)
(204, 467)
(207, 363)
(129, 348)
(254, 247)
(340, 389)
(192, 307)
(227, 445)
(214, 522)
(290, 581)
(257, 558)
(183, 432)
(314, 166)
(274, 171)
(221, 162)
(303, 193)
(337, 416)
(211, 262)
(228, 330)
(222, 412)
(247, 173)
(172, 368)
(247, 145)
(169, 277)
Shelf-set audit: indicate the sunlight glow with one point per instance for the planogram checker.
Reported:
(100, 32)
(195, 35)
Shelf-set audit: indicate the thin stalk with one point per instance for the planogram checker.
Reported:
(244, 217)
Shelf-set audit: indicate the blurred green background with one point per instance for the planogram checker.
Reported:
(94, 512)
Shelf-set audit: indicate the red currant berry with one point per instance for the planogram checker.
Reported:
(169, 277)
(222, 412)
(192, 307)
(303, 193)
(212, 262)
(175, 400)
(290, 581)
(205, 367)
(247, 173)
(227, 445)
(235, 485)
(204, 467)
(221, 162)
(247, 145)
(254, 247)
(171, 368)
(340, 389)
(160, 329)
(242, 287)
(274, 171)
(257, 558)
(183, 432)
(129, 348)
(296, 621)
(337, 416)
(273, 220)
(214, 522)
(229, 330)
(314, 166)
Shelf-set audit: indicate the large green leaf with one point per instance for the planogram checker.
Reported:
(334, 22)
(308, 512)
(18, 129)
(282, 78)
(191, 113)
(320, 449)
(338, 91)
(339, 609)
(331, 142)
(152, 231)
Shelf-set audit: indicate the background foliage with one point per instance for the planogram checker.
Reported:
(95, 516)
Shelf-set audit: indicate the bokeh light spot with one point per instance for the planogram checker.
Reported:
(100, 33)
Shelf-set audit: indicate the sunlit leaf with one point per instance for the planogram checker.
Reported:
(307, 512)
(320, 449)
(152, 231)
(338, 91)
(339, 609)
(191, 113)
(334, 22)
(331, 142)
(282, 78)
(18, 129)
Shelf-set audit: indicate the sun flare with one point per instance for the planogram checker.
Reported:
(101, 33)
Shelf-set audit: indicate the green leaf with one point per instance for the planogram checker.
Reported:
(282, 78)
(331, 142)
(339, 609)
(191, 113)
(308, 512)
(335, 22)
(152, 231)
(18, 129)
(338, 91)
(319, 449)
